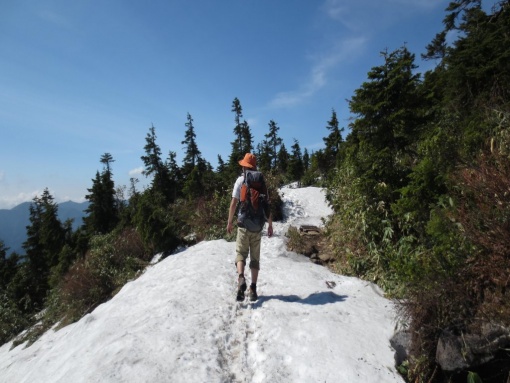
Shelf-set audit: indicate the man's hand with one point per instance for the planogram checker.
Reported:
(231, 211)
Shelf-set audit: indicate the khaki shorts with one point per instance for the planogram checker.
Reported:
(248, 242)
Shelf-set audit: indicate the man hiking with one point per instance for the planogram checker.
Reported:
(249, 190)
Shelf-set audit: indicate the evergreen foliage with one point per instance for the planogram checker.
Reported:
(296, 167)
(419, 188)
(243, 142)
(333, 143)
(45, 239)
(192, 155)
(103, 209)
(282, 160)
(273, 145)
(157, 169)
(413, 191)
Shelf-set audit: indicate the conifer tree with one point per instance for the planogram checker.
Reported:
(389, 113)
(45, 240)
(193, 184)
(223, 176)
(106, 160)
(196, 172)
(103, 214)
(8, 266)
(332, 142)
(474, 72)
(296, 168)
(191, 153)
(243, 142)
(237, 144)
(221, 165)
(175, 177)
(274, 143)
(154, 166)
(264, 159)
(306, 159)
(283, 160)
(152, 159)
(247, 138)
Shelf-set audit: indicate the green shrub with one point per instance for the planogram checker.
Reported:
(274, 183)
(207, 217)
(112, 261)
(157, 222)
(12, 320)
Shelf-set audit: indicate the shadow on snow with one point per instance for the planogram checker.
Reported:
(315, 299)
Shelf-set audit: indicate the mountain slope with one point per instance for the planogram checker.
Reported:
(179, 322)
(14, 222)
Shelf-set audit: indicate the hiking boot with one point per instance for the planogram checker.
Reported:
(252, 293)
(241, 288)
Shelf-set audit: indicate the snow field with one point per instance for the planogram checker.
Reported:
(179, 322)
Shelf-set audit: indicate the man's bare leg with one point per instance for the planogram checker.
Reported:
(254, 275)
(240, 268)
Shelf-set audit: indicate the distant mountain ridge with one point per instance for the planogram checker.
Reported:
(14, 222)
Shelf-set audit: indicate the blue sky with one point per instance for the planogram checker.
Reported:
(82, 78)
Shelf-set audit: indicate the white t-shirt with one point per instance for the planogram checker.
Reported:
(236, 193)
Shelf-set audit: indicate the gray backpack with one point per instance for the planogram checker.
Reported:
(254, 202)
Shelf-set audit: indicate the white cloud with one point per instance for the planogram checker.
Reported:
(335, 9)
(361, 15)
(252, 122)
(418, 4)
(318, 77)
(136, 171)
(8, 202)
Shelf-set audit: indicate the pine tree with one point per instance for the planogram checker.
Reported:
(390, 113)
(221, 165)
(8, 266)
(474, 72)
(264, 159)
(283, 159)
(306, 159)
(247, 138)
(193, 186)
(223, 176)
(191, 153)
(154, 166)
(174, 178)
(333, 142)
(152, 159)
(237, 145)
(103, 212)
(45, 240)
(274, 143)
(106, 160)
(296, 168)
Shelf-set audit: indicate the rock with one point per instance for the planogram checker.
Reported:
(401, 343)
(309, 230)
(325, 257)
(449, 353)
(460, 352)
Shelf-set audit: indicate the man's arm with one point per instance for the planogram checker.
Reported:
(231, 212)
(270, 217)
(270, 226)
